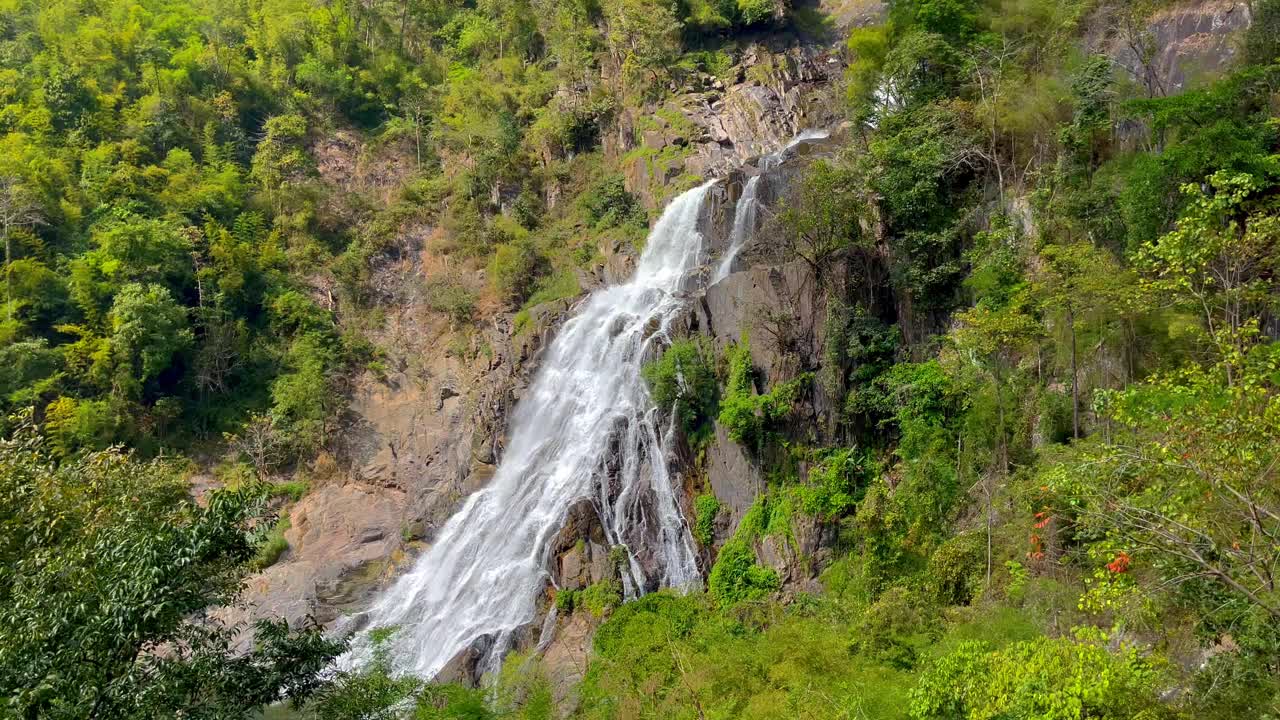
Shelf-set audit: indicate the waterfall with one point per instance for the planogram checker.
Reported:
(586, 428)
(744, 227)
(748, 206)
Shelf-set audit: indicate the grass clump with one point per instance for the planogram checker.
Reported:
(274, 545)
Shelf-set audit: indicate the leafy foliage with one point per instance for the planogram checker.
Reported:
(106, 561)
(1061, 678)
(682, 378)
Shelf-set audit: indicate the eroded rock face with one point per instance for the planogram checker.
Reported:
(775, 91)
(343, 536)
(565, 658)
(735, 479)
(1186, 42)
(580, 552)
(416, 440)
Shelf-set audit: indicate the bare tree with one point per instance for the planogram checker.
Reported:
(261, 441)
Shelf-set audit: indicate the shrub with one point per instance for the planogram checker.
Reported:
(748, 416)
(1052, 679)
(956, 569)
(452, 298)
(895, 628)
(755, 12)
(294, 490)
(600, 598)
(736, 577)
(515, 268)
(608, 204)
(835, 483)
(738, 409)
(274, 545)
(682, 378)
(558, 286)
(705, 509)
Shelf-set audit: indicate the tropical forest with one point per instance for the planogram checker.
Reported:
(640, 359)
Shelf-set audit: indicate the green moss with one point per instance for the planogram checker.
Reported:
(705, 509)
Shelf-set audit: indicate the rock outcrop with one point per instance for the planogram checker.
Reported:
(776, 89)
(1179, 44)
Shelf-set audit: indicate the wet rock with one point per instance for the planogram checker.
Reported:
(735, 480)
(466, 667)
(580, 551)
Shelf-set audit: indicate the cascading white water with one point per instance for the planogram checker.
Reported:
(744, 227)
(747, 209)
(587, 428)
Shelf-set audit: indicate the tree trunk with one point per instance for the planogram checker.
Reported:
(1075, 375)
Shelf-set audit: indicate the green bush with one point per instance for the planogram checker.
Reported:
(557, 286)
(601, 597)
(683, 378)
(452, 298)
(293, 490)
(750, 417)
(739, 408)
(566, 601)
(736, 577)
(835, 484)
(755, 12)
(1050, 679)
(705, 509)
(895, 629)
(515, 268)
(608, 204)
(956, 570)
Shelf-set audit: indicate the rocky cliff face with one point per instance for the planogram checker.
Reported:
(778, 87)
(1177, 46)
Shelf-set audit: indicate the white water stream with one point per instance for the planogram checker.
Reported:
(586, 428)
(747, 210)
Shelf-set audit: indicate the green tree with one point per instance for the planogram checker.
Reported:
(1081, 281)
(1188, 481)
(280, 160)
(644, 42)
(108, 570)
(147, 330)
(1221, 260)
(17, 210)
(826, 218)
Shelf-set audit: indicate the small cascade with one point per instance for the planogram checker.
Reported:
(747, 210)
(586, 428)
(744, 227)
